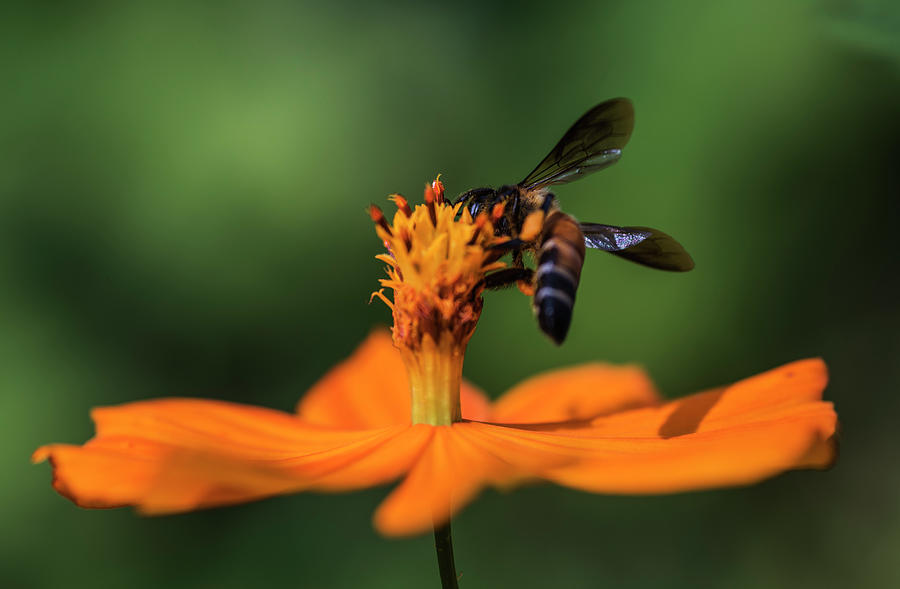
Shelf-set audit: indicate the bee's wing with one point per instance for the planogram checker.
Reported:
(650, 247)
(594, 142)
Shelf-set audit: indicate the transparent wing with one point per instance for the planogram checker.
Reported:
(643, 245)
(594, 142)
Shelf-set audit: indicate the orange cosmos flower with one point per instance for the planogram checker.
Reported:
(398, 408)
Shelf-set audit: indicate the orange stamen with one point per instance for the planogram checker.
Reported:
(378, 218)
(380, 294)
(402, 204)
(430, 199)
(438, 187)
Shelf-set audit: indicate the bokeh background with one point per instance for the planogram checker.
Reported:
(182, 196)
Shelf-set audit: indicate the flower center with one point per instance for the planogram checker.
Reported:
(435, 265)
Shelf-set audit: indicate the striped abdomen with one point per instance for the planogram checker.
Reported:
(560, 259)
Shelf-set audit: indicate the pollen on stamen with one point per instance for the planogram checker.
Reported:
(497, 211)
(532, 226)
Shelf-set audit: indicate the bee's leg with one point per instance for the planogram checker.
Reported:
(548, 202)
(498, 250)
(507, 277)
(505, 246)
(518, 260)
(526, 283)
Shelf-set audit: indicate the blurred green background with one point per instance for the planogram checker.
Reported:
(182, 196)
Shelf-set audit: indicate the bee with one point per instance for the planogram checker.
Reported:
(535, 224)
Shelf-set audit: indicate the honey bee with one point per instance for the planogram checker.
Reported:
(535, 224)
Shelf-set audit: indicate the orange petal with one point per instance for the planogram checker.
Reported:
(371, 390)
(457, 462)
(737, 456)
(735, 435)
(782, 391)
(449, 473)
(367, 390)
(581, 392)
(473, 404)
(391, 460)
(182, 454)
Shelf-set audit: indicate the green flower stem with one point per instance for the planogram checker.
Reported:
(443, 545)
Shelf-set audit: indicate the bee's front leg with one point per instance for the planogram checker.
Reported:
(508, 277)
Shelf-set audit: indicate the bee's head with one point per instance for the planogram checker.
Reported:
(481, 200)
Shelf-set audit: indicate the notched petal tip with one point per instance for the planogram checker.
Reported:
(75, 477)
(829, 459)
(825, 450)
(40, 455)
